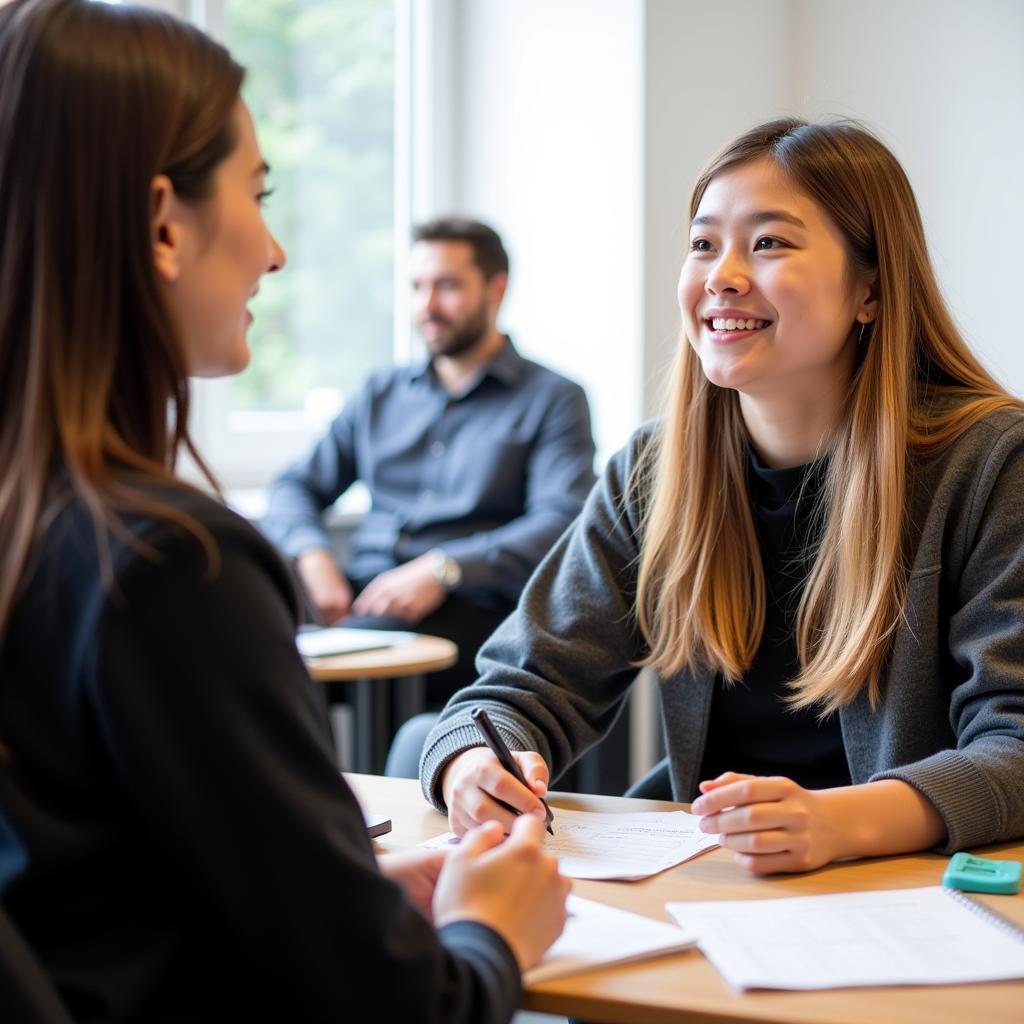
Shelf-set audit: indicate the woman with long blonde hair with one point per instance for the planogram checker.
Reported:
(176, 841)
(819, 550)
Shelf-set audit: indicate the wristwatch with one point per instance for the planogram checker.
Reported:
(445, 569)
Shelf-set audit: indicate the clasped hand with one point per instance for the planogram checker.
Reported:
(770, 823)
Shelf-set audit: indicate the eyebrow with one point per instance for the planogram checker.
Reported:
(263, 168)
(757, 217)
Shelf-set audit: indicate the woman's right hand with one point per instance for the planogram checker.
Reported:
(474, 782)
(510, 885)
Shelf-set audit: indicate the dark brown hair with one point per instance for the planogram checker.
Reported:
(97, 100)
(488, 252)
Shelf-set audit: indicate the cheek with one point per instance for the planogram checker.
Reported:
(454, 308)
(690, 290)
(246, 248)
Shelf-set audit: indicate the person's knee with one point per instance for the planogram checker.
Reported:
(403, 760)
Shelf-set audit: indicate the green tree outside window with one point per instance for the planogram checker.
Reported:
(321, 88)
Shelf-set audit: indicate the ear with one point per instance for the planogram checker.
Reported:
(165, 229)
(496, 289)
(867, 295)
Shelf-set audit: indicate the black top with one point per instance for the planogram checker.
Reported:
(176, 842)
(751, 729)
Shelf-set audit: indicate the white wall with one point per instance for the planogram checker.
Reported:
(580, 125)
(941, 81)
(548, 106)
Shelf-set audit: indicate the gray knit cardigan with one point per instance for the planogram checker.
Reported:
(951, 719)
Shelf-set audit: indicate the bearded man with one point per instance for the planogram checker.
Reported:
(476, 459)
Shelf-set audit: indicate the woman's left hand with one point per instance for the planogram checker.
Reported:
(416, 871)
(770, 823)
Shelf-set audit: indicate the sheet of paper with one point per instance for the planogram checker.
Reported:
(620, 846)
(596, 934)
(318, 643)
(898, 937)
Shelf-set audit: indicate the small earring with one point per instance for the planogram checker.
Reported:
(863, 330)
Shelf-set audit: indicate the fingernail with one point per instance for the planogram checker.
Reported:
(697, 806)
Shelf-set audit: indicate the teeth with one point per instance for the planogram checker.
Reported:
(719, 323)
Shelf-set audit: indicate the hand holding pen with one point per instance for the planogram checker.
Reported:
(493, 740)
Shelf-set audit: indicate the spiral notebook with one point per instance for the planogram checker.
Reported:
(927, 936)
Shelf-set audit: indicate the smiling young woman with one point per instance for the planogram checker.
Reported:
(818, 550)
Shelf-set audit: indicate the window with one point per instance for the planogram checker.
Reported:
(322, 91)
(324, 86)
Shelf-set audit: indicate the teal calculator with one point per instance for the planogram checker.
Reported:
(979, 874)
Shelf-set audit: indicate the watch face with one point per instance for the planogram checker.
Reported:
(447, 571)
(452, 572)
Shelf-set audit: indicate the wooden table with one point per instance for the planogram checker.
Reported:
(372, 674)
(685, 987)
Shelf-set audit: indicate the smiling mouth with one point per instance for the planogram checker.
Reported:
(735, 325)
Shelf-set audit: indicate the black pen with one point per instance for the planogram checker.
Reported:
(486, 729)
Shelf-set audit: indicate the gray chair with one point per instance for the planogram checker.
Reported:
(27, 995)
(655, 785)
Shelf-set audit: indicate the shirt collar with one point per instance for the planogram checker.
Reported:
(507, 367)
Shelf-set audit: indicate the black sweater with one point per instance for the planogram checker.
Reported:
(751, 729)
(171, 818)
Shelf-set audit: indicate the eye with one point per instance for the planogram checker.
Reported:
(767, 243)
(700, 245)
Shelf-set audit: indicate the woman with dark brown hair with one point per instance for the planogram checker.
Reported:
(175, 840)
(819, 550)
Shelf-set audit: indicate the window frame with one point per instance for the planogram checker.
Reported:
(246, 449)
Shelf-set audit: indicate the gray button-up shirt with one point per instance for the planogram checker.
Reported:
(493, 476)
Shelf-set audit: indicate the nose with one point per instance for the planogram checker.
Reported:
(278, 257)
(428, 301)
(728, 274)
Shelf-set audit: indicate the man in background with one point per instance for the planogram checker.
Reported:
(476, 460)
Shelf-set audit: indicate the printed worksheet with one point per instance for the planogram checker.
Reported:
(618, 846)
(926, 936)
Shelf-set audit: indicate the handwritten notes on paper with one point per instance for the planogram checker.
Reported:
(625, 846)
(619, 846)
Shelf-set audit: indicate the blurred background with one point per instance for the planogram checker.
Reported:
(576, 128)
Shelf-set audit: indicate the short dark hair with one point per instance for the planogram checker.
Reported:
(488, 252)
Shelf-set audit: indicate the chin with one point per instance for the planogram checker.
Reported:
(239, 362)
(228, 365)
(725, 376)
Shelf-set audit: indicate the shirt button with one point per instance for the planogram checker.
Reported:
(437, 449)
(428, 495)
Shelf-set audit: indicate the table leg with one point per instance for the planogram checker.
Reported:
(410, 698)
(370, 741)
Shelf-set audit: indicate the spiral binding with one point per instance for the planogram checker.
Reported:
(1004, 924)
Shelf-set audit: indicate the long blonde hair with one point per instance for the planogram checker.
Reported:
(916, 387)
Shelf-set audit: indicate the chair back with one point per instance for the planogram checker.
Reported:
(655, 785)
